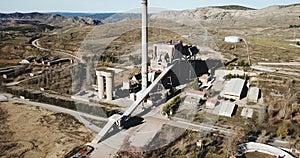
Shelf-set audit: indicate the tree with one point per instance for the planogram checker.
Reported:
(282, 131)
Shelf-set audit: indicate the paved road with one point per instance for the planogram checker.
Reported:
(78, 115)
(264, 148)
(153, 123)
(142, 134)
(35, 43)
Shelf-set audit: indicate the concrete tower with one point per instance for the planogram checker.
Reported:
(109, 86)
(144, 44)
(100, 79)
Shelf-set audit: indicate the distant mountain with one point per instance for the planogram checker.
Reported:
(233, 7)
(228, 16)
(98, 16)
(103, 17)
(69, 14)
(49, 19)
(61, 19)
(121, 16)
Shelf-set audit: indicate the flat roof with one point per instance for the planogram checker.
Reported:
(234, 87)
(227, 108)
(253, 94)
(211, 101)
(247, 112)
(250, 113)
(171, 42)
(195, 92)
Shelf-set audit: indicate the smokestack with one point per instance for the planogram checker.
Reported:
(144, 44)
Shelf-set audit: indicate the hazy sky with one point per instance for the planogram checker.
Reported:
(123, 5)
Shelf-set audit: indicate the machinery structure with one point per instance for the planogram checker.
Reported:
(121, 119)
(165, 63)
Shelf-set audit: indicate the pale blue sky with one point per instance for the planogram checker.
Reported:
(94, 6)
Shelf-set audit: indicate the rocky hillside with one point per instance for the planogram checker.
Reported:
(282, 16)
(49, 19)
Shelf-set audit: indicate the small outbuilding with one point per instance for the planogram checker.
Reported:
(196, 93)
(227, 109)
(247, 112)
(253, 94)
(211, 103)
(232, 39)
(234, 88)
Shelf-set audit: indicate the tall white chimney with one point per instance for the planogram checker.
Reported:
(144, 44)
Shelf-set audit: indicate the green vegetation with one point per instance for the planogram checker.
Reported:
(108, 58)
(230, 76)
(243, 63)
(193, 85)
(171, 105)
(282, 131)
(37, 96)
(135, 59)
(286, 130)
(108, 104)
(104, 110)
(271, 43)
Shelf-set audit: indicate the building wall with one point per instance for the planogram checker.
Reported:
(164, 54)
(234, 89)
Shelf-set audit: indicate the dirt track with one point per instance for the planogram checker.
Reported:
(35, 132)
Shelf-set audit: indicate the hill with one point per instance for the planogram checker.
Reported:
(49, 19)
(103, 17)
(228, 16)
(233, 7)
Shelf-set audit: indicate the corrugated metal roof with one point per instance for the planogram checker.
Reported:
(227, 109)
(253, 94)
(234, 87)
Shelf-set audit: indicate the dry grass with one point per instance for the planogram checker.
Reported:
(36, 132)
(68, 39)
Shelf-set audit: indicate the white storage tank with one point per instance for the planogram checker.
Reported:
(232, 39)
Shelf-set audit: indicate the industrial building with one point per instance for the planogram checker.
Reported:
(234, 89)
(227, 109)
(196, 93)
(253, 94)
(164, 53)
